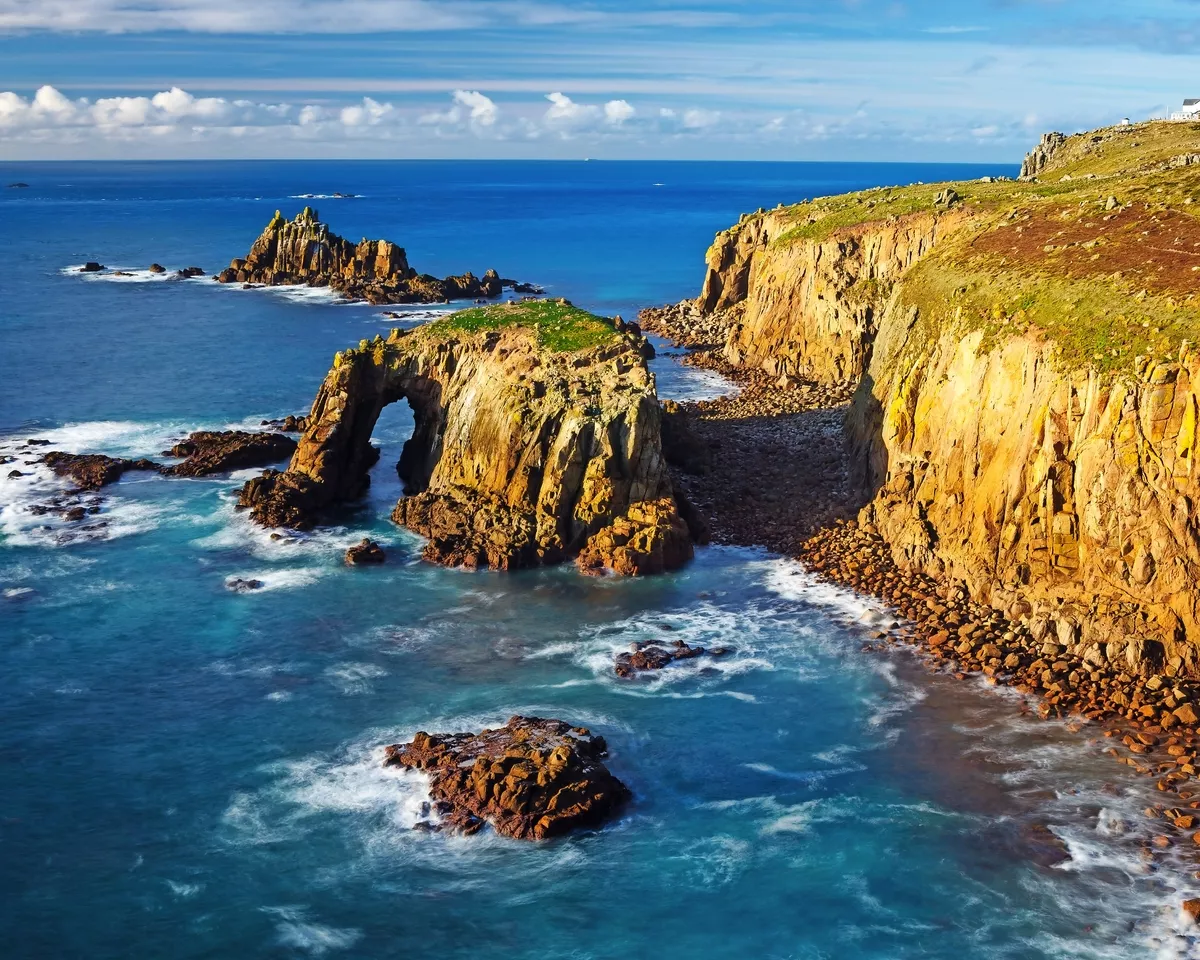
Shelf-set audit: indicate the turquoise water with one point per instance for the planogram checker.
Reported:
(190, 772)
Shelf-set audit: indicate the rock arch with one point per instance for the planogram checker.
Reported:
(518, 457)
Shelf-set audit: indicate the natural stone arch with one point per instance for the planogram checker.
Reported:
(518, 456)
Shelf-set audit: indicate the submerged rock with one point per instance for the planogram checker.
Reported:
(288, 424)
(303, 251)
(211, 451)
(90, 471)
(531, 779)
(367, 552)
(243, 585)
(648, 655)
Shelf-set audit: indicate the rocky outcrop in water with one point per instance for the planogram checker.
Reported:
(91, 471)
(650, 655)
(304, 251)
(521, 454)
(366, 553)
(218, 451)
(531, 779)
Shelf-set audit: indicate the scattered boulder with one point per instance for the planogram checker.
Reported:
(212, 451)
(91, 267)
(188, 272)
(946, 198)
(649, 655)
(367, 552)
(531, 779)
(157, 268)
(243, 584)
(91, 471)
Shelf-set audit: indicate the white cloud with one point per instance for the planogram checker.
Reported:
(565, 111)
(696, 119)
(483, 110)
(617, 112)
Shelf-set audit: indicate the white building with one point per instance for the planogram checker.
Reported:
(1190, 111)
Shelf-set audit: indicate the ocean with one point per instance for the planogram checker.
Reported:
(190, 772)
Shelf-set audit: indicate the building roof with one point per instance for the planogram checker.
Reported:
(1191, 103)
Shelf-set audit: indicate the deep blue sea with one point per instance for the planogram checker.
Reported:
(188, 772)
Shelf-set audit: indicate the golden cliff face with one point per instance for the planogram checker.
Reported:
(520, 455)
(809, 308)
(1025, 418)
(1069, 500)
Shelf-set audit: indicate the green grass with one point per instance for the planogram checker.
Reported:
(1102, 324)
(559, 326)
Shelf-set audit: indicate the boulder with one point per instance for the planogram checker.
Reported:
(91, 267)
(210, 451)
(367, 552)
(531, 779)
(243, 584)
(157, 268)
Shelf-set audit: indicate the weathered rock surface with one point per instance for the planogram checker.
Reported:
(91, 266)
(808, 309)
(520, 456)
(367, 552)
(303, 251)
(212, 451)
(1037, 158)
(531, 779)
(91, 471)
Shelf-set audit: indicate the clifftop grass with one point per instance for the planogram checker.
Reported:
(1100, 254)
(559, 326)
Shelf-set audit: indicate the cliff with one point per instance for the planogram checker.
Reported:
(303, 251)
(1025, 418)
(536, 441)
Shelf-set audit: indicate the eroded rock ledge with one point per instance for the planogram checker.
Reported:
(531, 779)
(537, 440)
(304, 251)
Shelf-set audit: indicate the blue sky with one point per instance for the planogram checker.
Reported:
(703, 79)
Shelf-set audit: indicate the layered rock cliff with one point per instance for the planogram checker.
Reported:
(1025, 420)
(304, 251)
(536, 441)
(809, 307)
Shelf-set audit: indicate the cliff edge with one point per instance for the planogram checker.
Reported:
(536, 441)
(1025, 413)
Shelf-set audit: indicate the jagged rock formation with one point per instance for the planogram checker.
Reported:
(217, 451)
(649, 655)
(532, 779)
(91, 471)
(1040, 156)
(521, 454)
(1025, 422)
(303, 251)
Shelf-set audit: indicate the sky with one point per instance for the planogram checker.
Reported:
(607, 79)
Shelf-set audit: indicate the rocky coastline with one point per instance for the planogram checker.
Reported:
(885, 489)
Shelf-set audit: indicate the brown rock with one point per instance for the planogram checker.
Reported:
(531, 779)
(210, 451)
(91, 471)
(367, 552)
